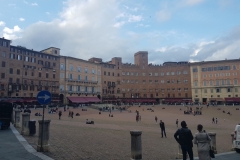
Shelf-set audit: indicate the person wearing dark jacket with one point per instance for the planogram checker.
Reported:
(162, 126)
(184, 137)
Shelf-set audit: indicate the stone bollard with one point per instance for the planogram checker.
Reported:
(213, 141)
(25, 120)
(180, 155)
(136, 145)
(43, 140)
(17, 119)
(232, 135)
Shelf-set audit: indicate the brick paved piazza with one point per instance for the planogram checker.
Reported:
(109, 137)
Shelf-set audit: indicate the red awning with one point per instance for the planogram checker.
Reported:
(232, 99)
(92, 99)
(77, 99)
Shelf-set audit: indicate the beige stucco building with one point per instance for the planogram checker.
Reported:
(80, 80)
(215, 81)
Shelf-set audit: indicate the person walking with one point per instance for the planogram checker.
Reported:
(202, 140)
(177, 123)
(213, 120)
(216, 120)
(156, 119)
(162, 126)
(184, 137)
(60, 114)
(72, 114)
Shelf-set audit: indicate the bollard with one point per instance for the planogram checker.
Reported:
(213, 141)
(232, 135)
(17, 119)
(180, 155)
(43, 145)
(25, 120)
(136, 145)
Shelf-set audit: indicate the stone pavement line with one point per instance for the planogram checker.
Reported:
(28, 147)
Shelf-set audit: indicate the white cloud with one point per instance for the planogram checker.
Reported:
(34, 4)
(47, 13)
(87, 26)
(119, 24)
(92, 29)
(163, 15)
(134, 18)
(11, 34)
(25, 2)
(21, 19)
(2, 23)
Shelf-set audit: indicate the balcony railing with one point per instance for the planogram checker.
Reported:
(81, 81)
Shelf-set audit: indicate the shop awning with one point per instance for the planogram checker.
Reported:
(92, 99)
(232, 99)
(216, 99)
(77, 99)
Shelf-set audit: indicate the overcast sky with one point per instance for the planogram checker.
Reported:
(170, 30)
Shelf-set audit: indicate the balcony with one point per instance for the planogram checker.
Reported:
(81, 81)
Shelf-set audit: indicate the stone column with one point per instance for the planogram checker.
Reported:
(232, 135)
(17, 119)
(43, 137)
(213, 141)
(25, 120)
(136, 145)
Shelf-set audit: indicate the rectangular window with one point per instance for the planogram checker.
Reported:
(99, 72)
(123, 73)
(156, 74)
(70, 76)
(2, 75)
(86, 70)
(71, 68)
(234, 67)
(3, 64)
(205, 90)
(61, 75)
(39, 74)
(218, 90)
(54, 76)
(79, 69)
(195, 69)
(10, 70)
(228, 82)
(217, 82)
(25, 73)
(18, 71)
(93, 71)
(205, 83)
(235, 82)
(223, 82)
(162, 73)
(228, 89)
(195, 83)
(185, 72)
(4, 54)
(86, 78)
(62, 67)
(26, 59)
(79, 77)
(196, 91)
(211, 83)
